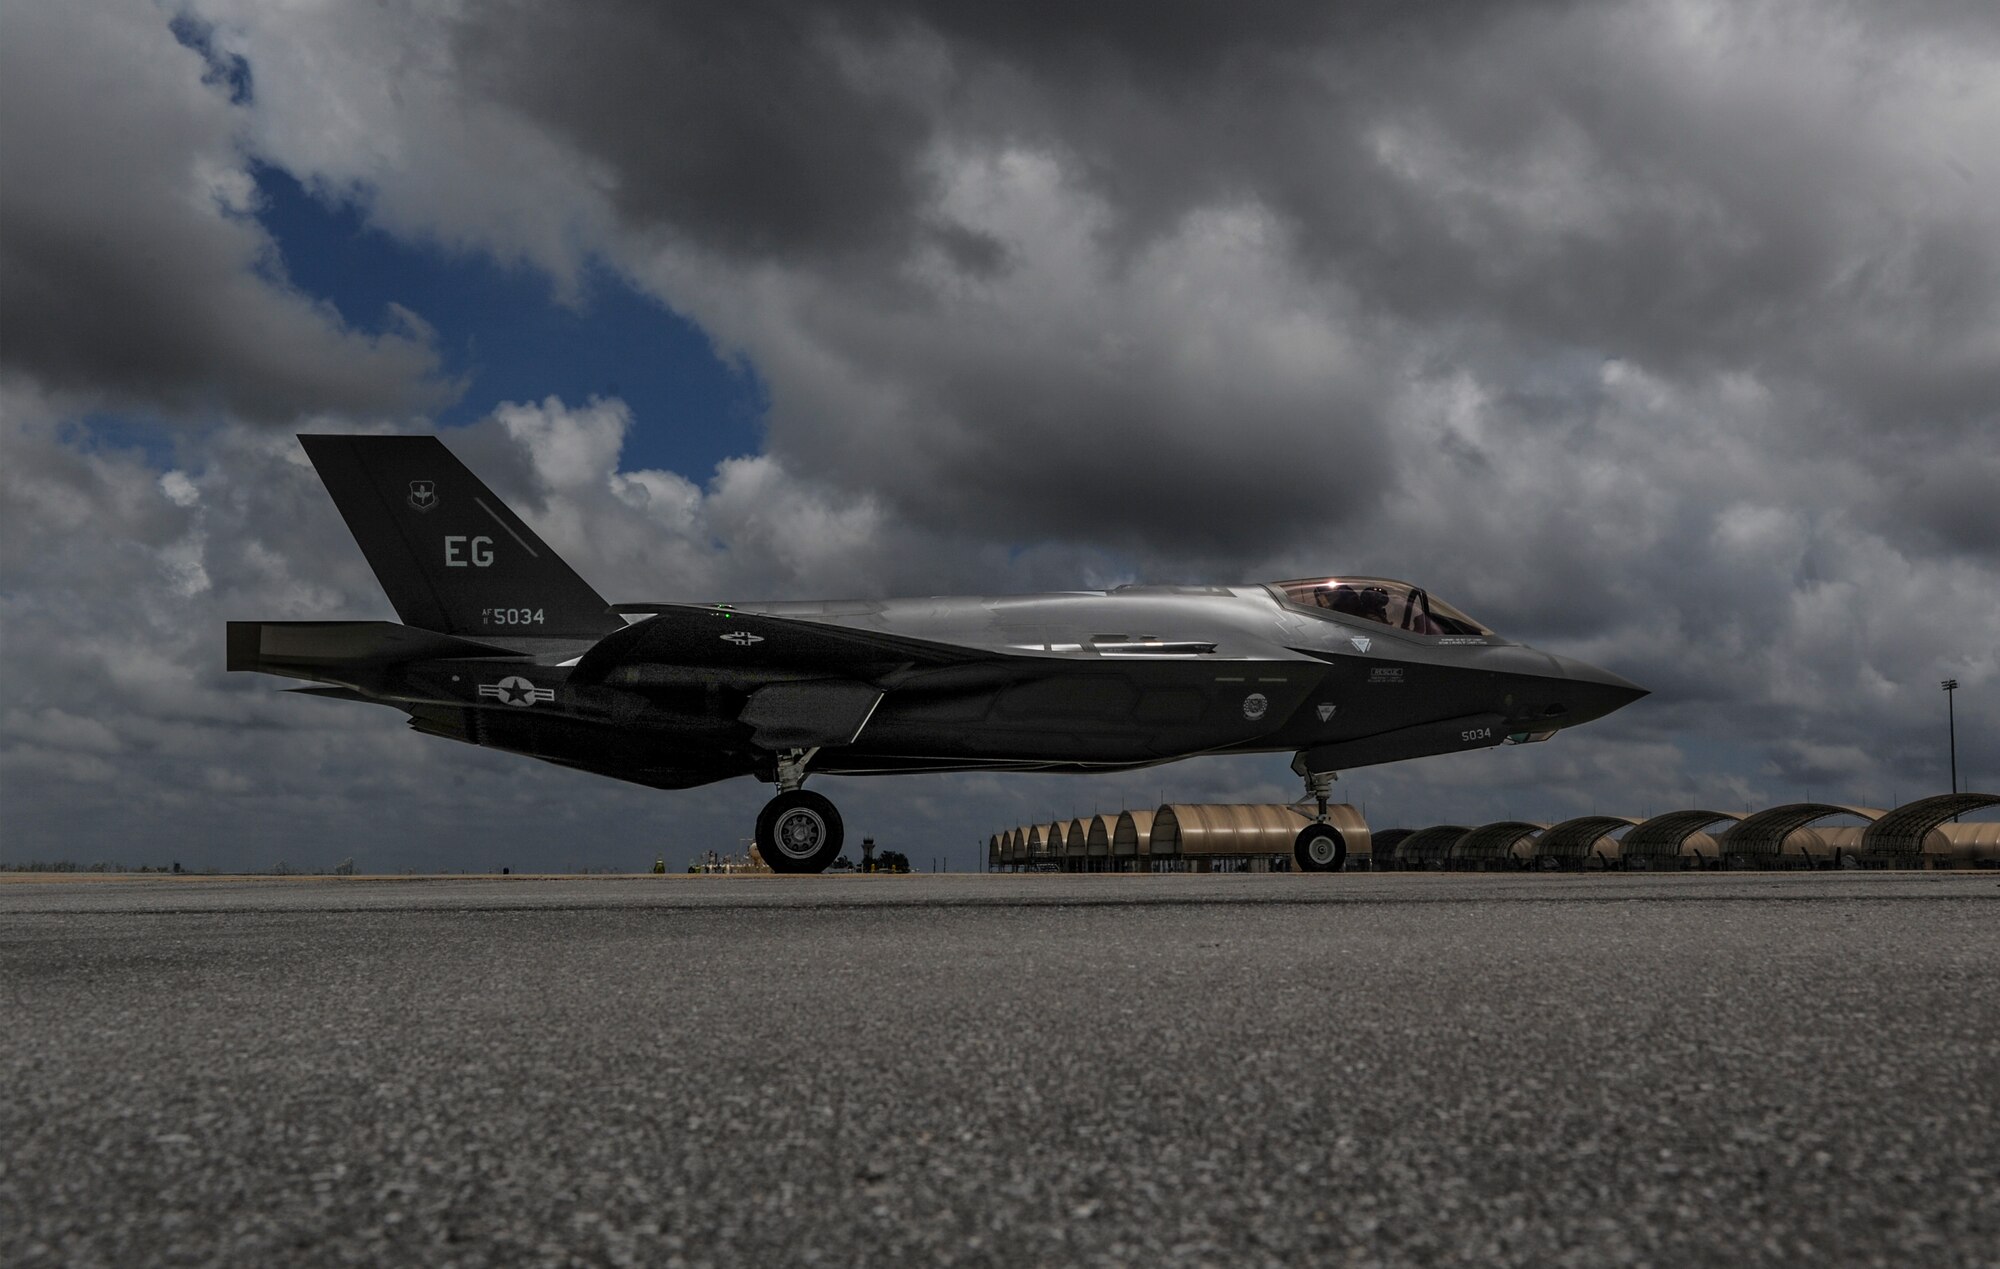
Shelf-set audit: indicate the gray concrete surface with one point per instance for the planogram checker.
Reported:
(1398, 1069)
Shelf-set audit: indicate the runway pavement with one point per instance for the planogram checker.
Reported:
(1185, 1070)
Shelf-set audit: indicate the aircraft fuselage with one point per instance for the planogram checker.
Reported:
(503, 645)
(1076, 681)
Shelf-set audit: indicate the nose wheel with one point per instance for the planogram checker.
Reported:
(798, 831)
(1319, 848)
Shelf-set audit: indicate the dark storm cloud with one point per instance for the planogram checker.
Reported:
(1947, 500)
(772, 129)
(1698, 191)
(132, 273)
(737, 125)
(1564, 175)
(1139, 447)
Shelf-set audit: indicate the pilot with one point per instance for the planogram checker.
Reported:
(1372, 602)
(1339, 598)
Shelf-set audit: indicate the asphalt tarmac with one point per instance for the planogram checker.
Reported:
(1171, 1070)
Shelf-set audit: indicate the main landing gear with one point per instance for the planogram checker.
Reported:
(1319, 847)
(798, 831)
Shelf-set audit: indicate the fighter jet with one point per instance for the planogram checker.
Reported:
(502, 644)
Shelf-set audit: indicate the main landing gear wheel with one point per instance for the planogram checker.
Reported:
(1319, 848)
(798, 831)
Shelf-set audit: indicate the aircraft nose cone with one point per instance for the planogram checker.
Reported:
(1589, 692)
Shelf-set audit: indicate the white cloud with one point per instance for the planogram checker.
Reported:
(179, 489)
(366, 101)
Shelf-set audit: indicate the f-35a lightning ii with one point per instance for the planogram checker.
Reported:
(501, 644)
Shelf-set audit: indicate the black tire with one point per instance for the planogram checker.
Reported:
(798, 832)
(1319, 848)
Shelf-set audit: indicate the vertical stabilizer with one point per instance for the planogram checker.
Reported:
(452, 557)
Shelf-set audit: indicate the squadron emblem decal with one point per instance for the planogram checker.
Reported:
(1254, 706)
(515, 690)
(1361, 643)
(742, 638)
(423, 495)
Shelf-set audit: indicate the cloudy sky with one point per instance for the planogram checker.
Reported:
(1666, 335)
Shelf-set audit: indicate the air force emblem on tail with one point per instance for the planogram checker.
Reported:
(423, 495)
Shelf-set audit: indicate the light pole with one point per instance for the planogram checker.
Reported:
(1951, 723)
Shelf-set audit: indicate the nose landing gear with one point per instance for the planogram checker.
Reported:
(1319, 847)
(798, 830)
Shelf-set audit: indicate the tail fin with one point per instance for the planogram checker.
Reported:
(452, 557)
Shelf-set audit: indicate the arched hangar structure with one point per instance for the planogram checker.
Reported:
(1387, 843)
(1771, 838)
(1097, 831)
(1132, 841)
(1053, 834)
(1072, 851)
(1573, 843)
(1429, 846)
(1501, 844)
(1201, 833)
(1916, 829)
(1673, 840)
(1222, 830)
(1977, 845)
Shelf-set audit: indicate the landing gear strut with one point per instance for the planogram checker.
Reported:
(1319, 784)
(798, 831)
(1319, 847)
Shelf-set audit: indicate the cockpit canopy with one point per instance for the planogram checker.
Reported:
(1379, 599)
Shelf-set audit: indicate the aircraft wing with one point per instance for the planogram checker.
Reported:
(760, 646)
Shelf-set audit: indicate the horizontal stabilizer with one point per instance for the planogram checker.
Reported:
(724, 638)
(256, 644)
